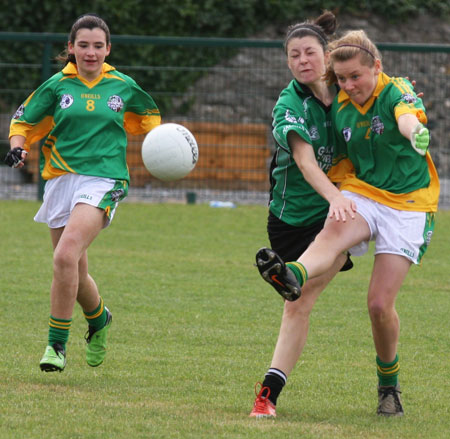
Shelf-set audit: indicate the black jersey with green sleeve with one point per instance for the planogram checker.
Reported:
(292, 199)
(386, 167)
(84, 123)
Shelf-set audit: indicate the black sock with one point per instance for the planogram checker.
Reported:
(275, 380)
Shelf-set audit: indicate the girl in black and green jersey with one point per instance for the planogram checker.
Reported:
(301, 193)
(84, 113)
(385, 168)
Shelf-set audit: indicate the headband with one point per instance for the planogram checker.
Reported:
(357, 46)
(309, 28)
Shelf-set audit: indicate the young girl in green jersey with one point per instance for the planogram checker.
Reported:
(84, 113)
(301, 194)
(387, 171)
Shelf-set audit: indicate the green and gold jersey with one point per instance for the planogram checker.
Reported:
(292, 198)
(378, 161)
(84, 123)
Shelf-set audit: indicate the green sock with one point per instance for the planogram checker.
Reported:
(97, 317)
(299, 270)
(58, 331)
(388, 372)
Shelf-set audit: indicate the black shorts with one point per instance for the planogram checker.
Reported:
(290, 242)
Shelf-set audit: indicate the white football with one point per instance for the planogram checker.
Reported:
(169, 152)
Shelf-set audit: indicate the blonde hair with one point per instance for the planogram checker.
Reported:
(352, 44)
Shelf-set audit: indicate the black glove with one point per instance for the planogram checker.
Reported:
(14, 157)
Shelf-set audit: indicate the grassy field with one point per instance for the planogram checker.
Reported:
(194, 328)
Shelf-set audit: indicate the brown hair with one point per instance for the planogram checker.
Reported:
(86, 21)
(323, 26)
(353, 43)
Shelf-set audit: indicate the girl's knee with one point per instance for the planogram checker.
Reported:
(63, 260)
(300, 309)
(380, 310)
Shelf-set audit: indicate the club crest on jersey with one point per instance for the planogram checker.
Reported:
(377, 125)
(115, 103)
(19, 112)
(66, 101)
(314, 133)
(409, 98)
(347, 133)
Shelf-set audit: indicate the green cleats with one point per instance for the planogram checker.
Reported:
(96, 342)
(54, 359)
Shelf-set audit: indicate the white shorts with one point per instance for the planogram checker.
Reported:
(62, 193)
(397, 232)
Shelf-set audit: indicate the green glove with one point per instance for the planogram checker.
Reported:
(420, 139)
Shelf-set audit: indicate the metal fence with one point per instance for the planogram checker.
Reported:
(227, 106)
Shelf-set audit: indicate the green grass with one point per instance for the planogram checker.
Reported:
(194, 328)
